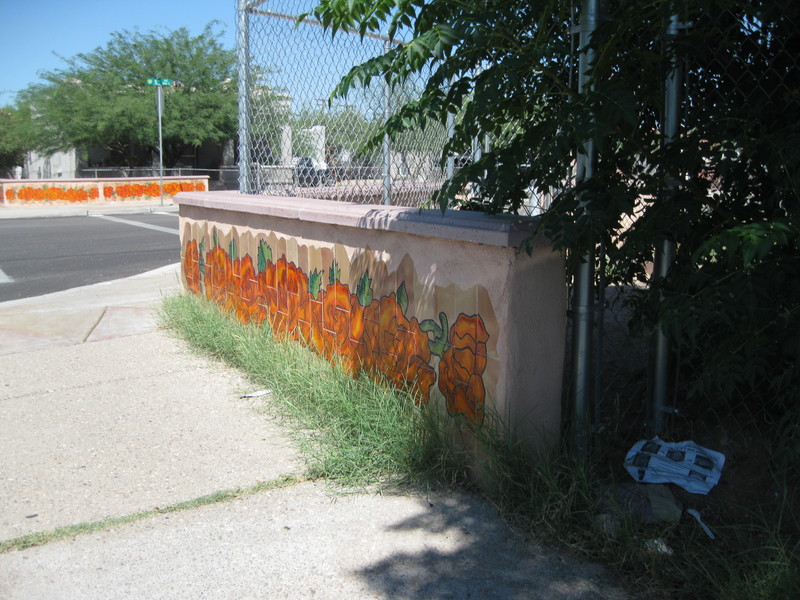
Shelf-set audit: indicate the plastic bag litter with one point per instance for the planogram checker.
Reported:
(695, 468)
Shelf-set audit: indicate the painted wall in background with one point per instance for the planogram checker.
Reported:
(26, 191)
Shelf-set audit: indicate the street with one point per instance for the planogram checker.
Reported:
(39, 256)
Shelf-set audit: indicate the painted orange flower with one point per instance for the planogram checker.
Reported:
(191, 267)
(296, 287)
(108, 191)
(266, 290)
(219, 278)
(245, 288)
(462, 366)
(278, 303)
(309, 321)
(396, 347)
(342, 326)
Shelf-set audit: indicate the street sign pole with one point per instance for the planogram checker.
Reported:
(160, 102)
(159, 83)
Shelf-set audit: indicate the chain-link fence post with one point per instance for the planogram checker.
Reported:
(582, 298)
(665, 249)
(243, 64)
(387, 145)
(451, 131)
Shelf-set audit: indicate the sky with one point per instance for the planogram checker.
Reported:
(36, 32)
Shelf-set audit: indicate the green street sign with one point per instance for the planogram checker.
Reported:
(159, 82)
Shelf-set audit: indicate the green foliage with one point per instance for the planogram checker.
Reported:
(100, 99)
(14, 136)
(345, 129)
(725, 190)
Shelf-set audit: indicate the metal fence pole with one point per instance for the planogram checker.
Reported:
(387, 146)
(243, 64)
(665, 249)
(451, 131)
(582, 300)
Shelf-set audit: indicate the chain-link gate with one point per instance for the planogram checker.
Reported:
(297, 143)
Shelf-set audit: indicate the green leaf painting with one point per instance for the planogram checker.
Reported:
(402, 297)
(334, 273)
(264, 255)
(364, 289)
(315, 283)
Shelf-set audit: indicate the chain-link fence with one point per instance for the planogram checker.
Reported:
(727, 113)
(728, 380)
(299, 143)
(745, 86)
(732, 78)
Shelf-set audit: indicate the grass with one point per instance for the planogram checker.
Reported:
(358, 432)
(353, 431)
(70, 531)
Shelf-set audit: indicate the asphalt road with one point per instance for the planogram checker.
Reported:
(39, 256)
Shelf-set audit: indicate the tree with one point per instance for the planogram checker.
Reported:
(14, 135)
(725, 191)
(100, 99)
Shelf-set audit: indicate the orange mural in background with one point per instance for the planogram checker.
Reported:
(133, 191)
(345, 325)
(50, 194)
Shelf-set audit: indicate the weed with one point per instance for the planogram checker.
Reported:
(70, 531)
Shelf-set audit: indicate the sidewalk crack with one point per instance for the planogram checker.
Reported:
(96, 323)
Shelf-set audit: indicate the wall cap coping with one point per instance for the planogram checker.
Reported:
(467, 226)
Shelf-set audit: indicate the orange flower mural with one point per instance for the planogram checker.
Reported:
(397, 347)
(309, 322)
(51, 194)
(462, 366)
(219, 278)
(245, 290)
(293, 291)
(191, 267)
(47, 192)
(364, 334)
(342, 326)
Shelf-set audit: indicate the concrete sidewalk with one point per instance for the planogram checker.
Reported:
(103, 416)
